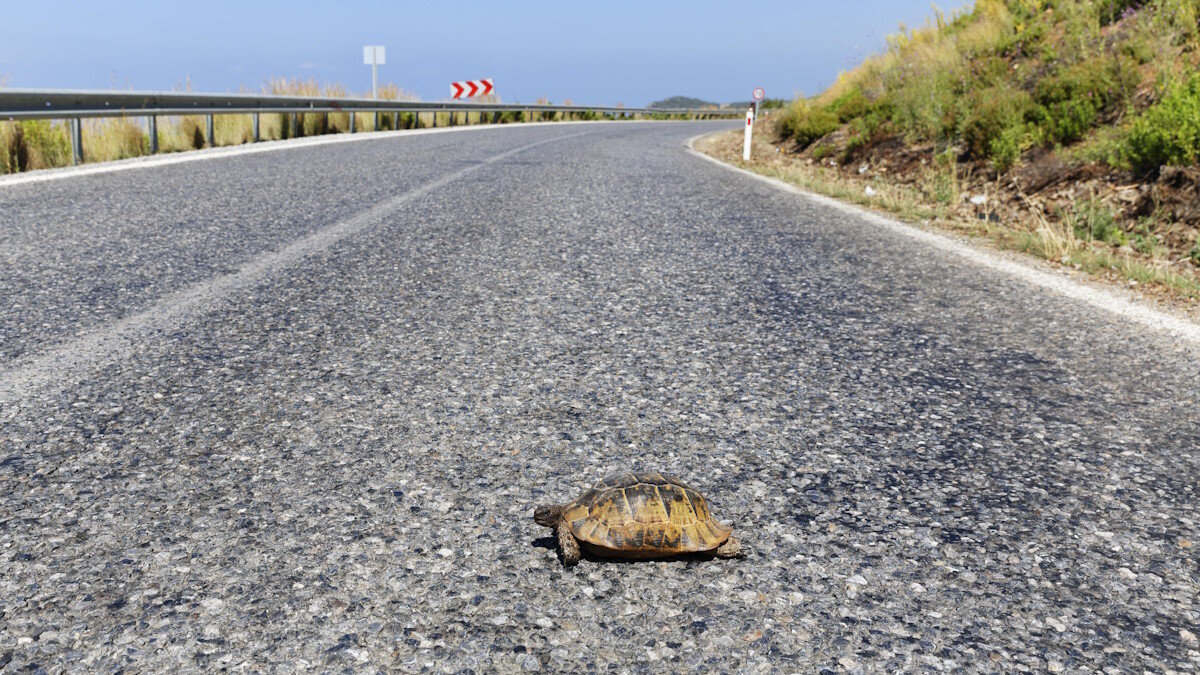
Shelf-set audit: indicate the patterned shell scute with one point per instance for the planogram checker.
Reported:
(646, 513)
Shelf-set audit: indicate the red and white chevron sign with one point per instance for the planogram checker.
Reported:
(471, 88)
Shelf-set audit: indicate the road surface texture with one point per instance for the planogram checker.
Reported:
(292, 411)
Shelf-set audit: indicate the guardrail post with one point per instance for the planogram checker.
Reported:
(76, 141)
(254, 122)
(352, 121)
(208, 123)
(153, 132)
(376, 121)
(434, 125)
(496, 117)
(295, 130)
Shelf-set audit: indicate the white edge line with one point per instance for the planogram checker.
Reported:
(150, 161)
(1099, 298)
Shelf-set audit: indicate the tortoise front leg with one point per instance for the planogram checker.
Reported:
(568, 545)
(732, 548)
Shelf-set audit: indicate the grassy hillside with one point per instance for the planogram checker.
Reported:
(1066, 128)
(1106, 81)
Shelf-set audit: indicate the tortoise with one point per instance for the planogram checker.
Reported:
(638, 516)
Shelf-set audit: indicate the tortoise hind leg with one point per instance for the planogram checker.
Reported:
(732, 548)
(568, 545)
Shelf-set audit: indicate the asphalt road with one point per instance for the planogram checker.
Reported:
(293, 410)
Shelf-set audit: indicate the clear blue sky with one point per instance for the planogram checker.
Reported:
(600, 52)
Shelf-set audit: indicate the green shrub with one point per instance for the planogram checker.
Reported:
(940, 182)
(1146, 243)
(1071, 102)
(1093, 220)
(1065, 122)
(36, 144)
(987, 119)
(822, 151)
(989, 71)
(857, 141)
(1169, 131)
(851, 105)
(924, 103)
(873, 120)
(1107, 145)
(1006, 148)
(1139, 49)
(806, 124)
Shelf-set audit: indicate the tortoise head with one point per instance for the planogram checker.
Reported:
(547, 516)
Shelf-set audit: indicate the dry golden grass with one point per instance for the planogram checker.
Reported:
(34, 144)
(114, 138)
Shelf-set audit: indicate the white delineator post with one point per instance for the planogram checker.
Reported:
(749, 132)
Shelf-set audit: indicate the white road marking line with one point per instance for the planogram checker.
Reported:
(1099, 298)
(93, 349)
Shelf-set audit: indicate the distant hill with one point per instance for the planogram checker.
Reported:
(683, 102)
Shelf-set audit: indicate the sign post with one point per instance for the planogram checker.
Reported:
(373, 55)
(751, 113)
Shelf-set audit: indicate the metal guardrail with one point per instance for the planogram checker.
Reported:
(19, 104)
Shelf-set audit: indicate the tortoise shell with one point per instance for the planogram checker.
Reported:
(636, 515)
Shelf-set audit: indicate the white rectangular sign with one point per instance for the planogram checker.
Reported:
(373, 55)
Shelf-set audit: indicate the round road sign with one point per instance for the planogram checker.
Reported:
(759, 94)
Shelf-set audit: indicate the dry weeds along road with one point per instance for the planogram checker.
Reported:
(292, 411)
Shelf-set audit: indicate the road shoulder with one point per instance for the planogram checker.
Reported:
(1108, 297)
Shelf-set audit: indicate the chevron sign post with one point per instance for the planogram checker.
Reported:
(471, 88)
